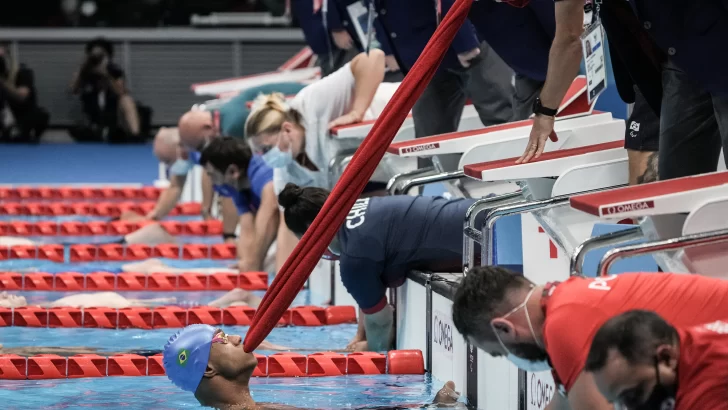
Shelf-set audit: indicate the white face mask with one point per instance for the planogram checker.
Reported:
(181, 167)
(275, 158)
(528, 365)
(521, 363)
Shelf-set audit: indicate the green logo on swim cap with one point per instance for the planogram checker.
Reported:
(182, 357)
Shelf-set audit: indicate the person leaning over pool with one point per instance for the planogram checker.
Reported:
(214, 366)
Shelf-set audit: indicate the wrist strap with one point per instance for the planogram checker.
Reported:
(226, 236)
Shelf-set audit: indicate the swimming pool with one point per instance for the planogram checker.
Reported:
(157, 392)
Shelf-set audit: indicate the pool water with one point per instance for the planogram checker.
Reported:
(158, 393)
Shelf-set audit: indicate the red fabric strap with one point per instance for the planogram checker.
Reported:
(305, 256)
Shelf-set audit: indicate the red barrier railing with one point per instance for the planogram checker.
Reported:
(50, 366)
(114, 228)
(86, 208)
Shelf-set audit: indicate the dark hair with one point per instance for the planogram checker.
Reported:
(301, 205)
(635, 334)
(225, 151)
(100, 42)
(479, 296)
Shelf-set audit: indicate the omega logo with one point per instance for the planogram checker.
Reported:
(442, 333)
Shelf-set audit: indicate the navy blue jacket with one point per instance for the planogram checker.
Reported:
(404, 27)
(522, 37)
(312, 25)
(693, 34)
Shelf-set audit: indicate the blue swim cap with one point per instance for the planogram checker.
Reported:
(186, 355)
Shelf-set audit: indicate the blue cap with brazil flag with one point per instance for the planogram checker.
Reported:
(186, 355)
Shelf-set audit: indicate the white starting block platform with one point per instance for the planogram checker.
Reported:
(234, 85)
(674, 208)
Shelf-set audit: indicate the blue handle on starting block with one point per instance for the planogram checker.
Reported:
(637, 264)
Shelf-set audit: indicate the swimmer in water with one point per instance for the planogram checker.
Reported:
(213, 365)
(382, 239)
(235, 297)
(151, 235)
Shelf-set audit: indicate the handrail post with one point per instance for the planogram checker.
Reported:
(609, 239)
(681, 242)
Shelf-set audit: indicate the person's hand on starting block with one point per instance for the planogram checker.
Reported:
(447, 395)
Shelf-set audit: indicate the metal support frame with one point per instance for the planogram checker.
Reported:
(681, 242)
(609, 239)
(393, 185)
(429, 179)
(472, 235)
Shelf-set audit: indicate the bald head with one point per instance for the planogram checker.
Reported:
(195, 128)
(166, 143)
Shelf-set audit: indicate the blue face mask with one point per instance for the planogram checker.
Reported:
(181, 167)
(275, 158)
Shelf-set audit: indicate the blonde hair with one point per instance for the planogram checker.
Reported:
(268, 113)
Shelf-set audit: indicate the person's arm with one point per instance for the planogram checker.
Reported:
(465, 43)
(564, 61)
(368, 71)
(229, 217)
(20, 90)
(246, 241)
(558, 402)
(207, 192)
(585, 395)
(286, 241)
(168, 198)
(266, 226)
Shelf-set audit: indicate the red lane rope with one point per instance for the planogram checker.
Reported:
(51, 366)
(307, 253)
(104, 208)
(166, 317)
(130, 281)
(117, 252)
(79, 193)
(114, 228)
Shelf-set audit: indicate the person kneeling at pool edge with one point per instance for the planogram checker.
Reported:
(213, 365)
(381, 240)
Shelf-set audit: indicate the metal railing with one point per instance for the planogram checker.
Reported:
(681, 242)
(613, 238)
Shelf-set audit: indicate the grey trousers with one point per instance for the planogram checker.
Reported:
(527, 90)
(693, 126)
(438, 110)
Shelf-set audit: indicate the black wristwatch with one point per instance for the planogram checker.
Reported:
(538, 108)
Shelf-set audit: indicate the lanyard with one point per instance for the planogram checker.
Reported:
(438, 11)
(591, 11)
(370, 23)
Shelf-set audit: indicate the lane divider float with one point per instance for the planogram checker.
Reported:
(166, 317)
(79, 193)
(130, 281)
(113, 228)
(103, 209)
(49, 366)
(119, 252)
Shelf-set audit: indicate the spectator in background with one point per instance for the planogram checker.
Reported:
(111, 114)
(21, 120)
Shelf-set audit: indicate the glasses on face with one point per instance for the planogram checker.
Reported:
(261, 149)
(220, 337)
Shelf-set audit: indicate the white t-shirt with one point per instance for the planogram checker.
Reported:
(319, 104)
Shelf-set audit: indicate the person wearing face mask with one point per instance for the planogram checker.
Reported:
(294, 138)
(550, 327)
(640, 361)
(382, 239)
(214, 367)
(248, 182)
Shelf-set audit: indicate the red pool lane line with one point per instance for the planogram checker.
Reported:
(114, 228)
(117, 252)
(130, 281)
(324, 364)
(166, 317)
(30, 193)
(34, 207)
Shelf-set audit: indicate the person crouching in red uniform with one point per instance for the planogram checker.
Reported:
(642, 362)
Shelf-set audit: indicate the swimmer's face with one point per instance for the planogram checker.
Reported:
(633, 385)
(228, 359)
(12, 301)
